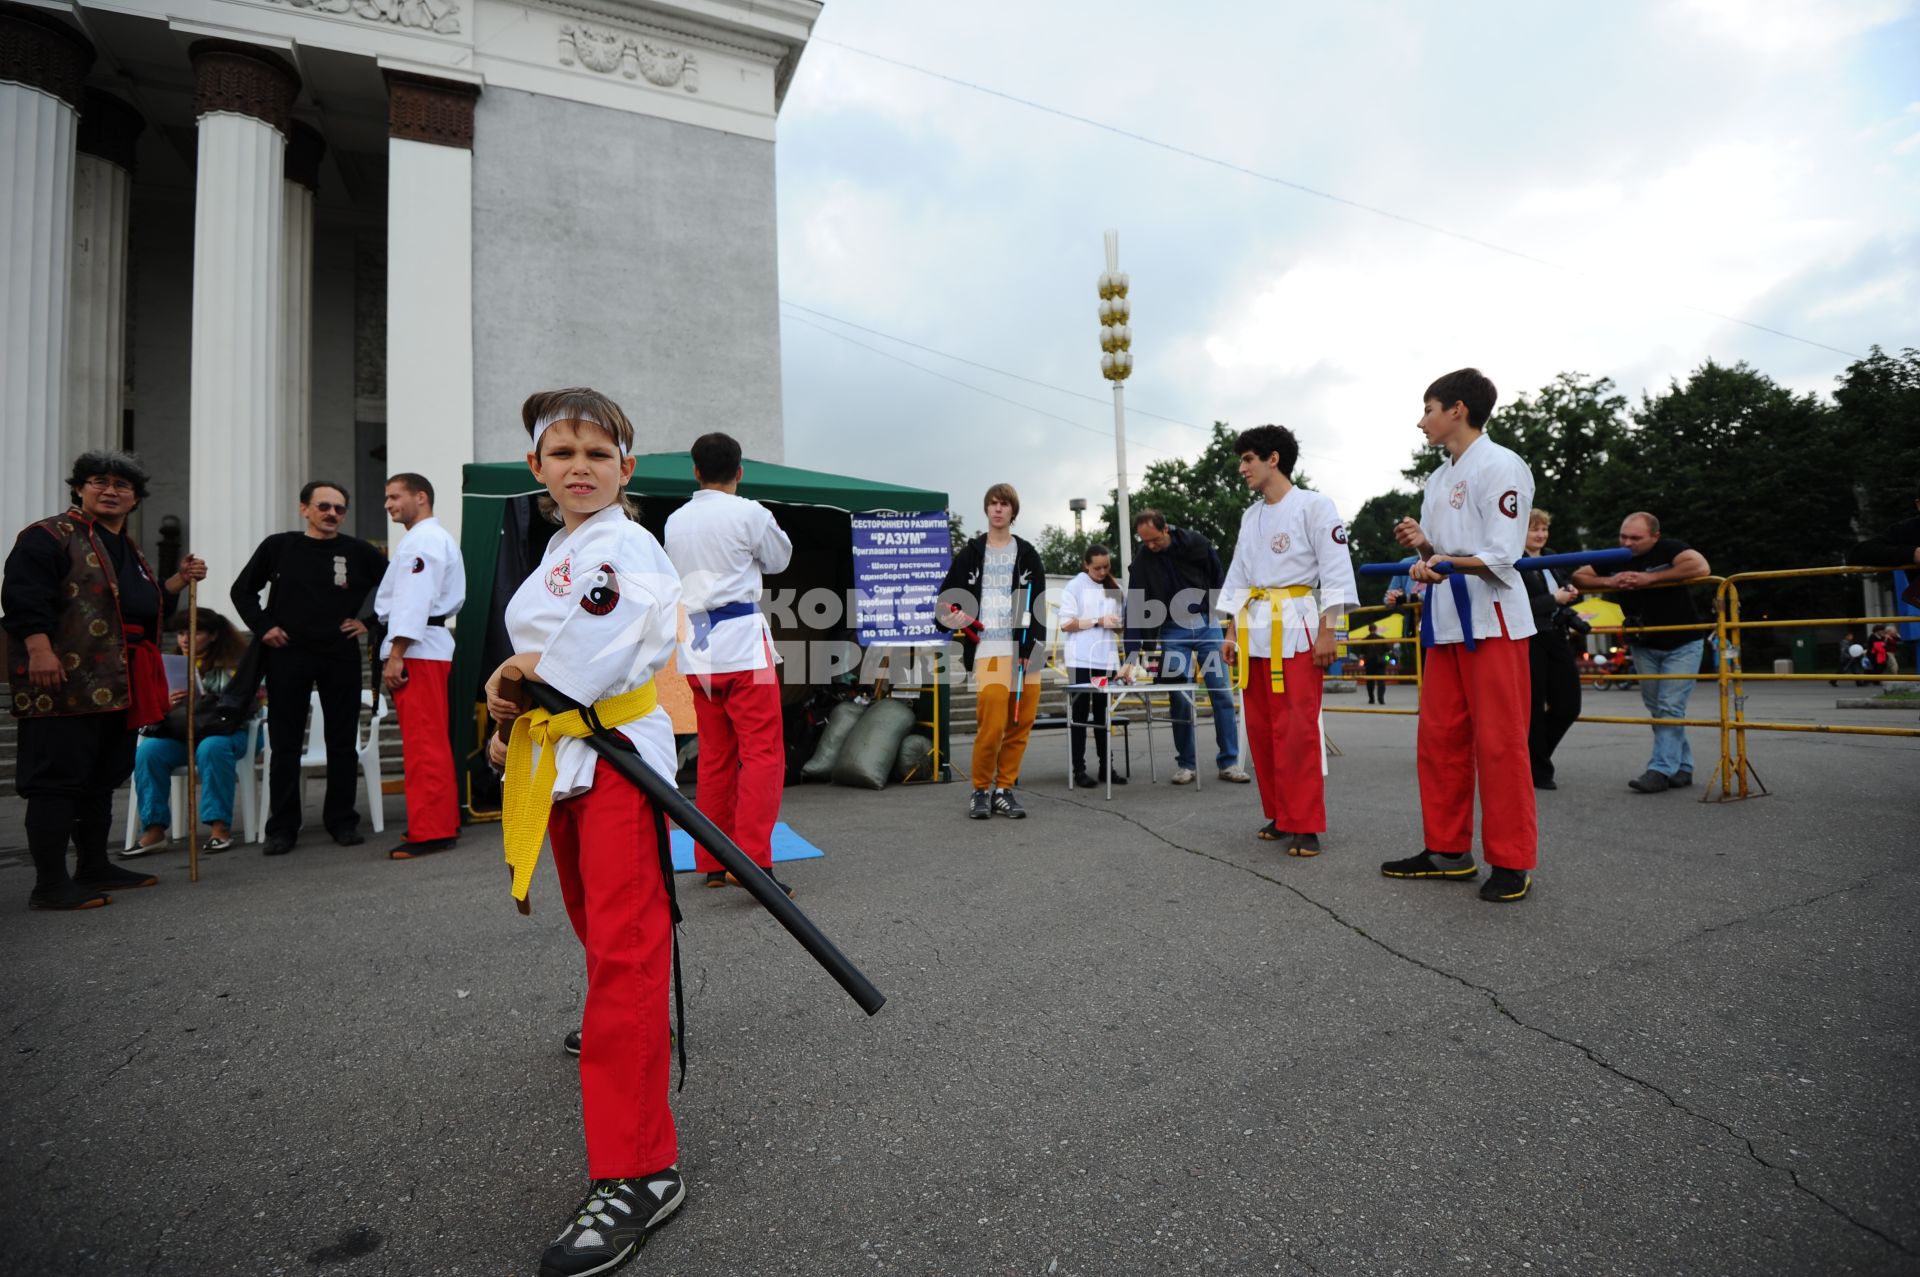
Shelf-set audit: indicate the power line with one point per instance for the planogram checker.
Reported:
(1304, 189)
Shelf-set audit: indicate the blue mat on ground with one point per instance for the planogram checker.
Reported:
(787, 845)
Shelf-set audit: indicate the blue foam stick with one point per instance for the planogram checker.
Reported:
(1592, 558)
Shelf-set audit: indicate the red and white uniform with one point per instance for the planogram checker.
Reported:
(723, 545)
(1297, 540)
(426, 578)
(1474, 706)
(600, 609)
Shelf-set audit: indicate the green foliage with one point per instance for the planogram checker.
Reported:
(1061, 550)
(1878, 431)
(956, 531)
(1370, 537)
(1205, 495)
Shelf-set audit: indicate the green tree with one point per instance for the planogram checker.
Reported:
(1205, 495)
(1061, 550)
(956, 531)
(1370, 537)
(1878, 427)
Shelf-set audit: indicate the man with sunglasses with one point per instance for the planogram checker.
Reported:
(317, 581)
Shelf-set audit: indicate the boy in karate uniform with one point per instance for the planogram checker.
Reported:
(596, 620)
(425, 584)
(1291, 541)
(722, 544)
(1474, 701)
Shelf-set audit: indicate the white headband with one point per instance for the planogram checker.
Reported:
(574, 414)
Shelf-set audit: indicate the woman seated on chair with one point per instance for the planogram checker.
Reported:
(220, 757)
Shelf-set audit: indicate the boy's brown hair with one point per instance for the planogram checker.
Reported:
(1002, 492)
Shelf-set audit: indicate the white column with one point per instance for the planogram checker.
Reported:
(430, 286)
(41, 70)
(296, 345)
(236, 405)
(97, 328)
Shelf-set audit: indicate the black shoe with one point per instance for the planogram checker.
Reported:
(1433, 864)
(980, 805)
(1083, 781)
(1271, 832)
(1118, 778)
(571, 1043)
(67, 896)
(1504, 886)
(113, 878)
(277, 845)
(1650, 782)
(718, 878)
(1304, 845)
(1004, 804)
(612, 1223)
(1680, 780)
(1543, 782)
(347, 837)
(412, 850)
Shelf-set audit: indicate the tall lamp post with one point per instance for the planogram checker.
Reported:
(1116, 365)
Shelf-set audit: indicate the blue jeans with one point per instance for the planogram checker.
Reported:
(153, 767)
(1182, 652)
(1667, 698)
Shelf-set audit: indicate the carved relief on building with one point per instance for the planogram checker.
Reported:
(603, 50)
(442, 17)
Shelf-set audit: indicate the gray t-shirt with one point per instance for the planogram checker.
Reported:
(996, 595)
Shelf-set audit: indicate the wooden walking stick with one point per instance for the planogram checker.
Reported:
(192, 814)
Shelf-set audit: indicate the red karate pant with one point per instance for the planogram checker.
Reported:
(743, 760)
(603, 846)
(1474, 714)
(433, 802)
(1283, 731)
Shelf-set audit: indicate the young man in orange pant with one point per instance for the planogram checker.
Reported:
(1476, 627)
(1290, 580)
(722, 545)
(995, 595)
(425, 584)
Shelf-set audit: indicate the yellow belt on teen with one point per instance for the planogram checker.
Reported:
(1276, 597)
(528, 797)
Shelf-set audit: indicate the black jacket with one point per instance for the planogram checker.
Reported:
(1544, 607)
(1189, 566)
(962, 589)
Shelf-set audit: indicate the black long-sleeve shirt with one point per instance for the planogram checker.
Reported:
(1183, 580)
(316, 584)
(36, 573)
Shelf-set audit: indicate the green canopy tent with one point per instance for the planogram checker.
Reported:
(501, 537)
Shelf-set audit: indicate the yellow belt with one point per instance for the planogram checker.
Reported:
(1275, 596)
(528, 798)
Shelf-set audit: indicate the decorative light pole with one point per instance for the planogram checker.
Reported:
(1116, 365)
(1079, 507)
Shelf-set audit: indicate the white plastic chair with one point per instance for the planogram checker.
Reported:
(246, 796)
(314, 758)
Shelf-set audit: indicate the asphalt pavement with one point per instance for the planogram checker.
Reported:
(1121, 1038)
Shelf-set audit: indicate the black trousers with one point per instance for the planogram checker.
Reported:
(1088, 710)
(67, 771)
(293, 672)
(1556, 699)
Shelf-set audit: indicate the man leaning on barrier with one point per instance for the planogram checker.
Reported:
(1657, 561)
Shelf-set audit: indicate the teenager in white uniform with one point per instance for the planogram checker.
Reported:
(1289, 583)
(722, 544)
(1476, 627)
(596, 620)
(1090, 618)
(425, 584)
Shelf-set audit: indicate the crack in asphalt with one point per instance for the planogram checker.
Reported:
(1493, 998)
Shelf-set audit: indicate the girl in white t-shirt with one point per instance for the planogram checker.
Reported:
(1090, 618)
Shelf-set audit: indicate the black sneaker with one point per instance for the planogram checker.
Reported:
(66, 896)
(1680, 780)
(980, 805)
(277, 845)
(1083, 781)
(612, 1223)
(113, 878)
(348, 837)
(1004, 804)
(1544, 782)
(1433, 864)
(1304, 845)
(1651, 782)
(718, 878)
(1118, 778)
(1504, 886)
(571, 1043)
(1271, 832)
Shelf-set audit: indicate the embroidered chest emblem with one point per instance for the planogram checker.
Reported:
(603, 591)
(340, 570)
(560, 577)
(1459, 498)
(1281, 542)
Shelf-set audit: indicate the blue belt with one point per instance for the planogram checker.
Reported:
(703, 622)
(1462, 606)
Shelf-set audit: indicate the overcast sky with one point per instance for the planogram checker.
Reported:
(1755, 158)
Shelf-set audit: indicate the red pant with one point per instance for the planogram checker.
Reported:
(1283, 731)
(603, 846)
(1474, 712)
(433, 801)
(743, 760)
